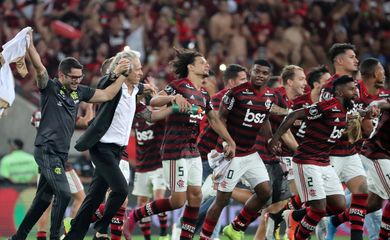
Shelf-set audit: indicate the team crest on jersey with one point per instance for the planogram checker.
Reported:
(327, 95)
(169, 89)
(75, 97)
(313, 192)
(268, 103)
(180, 183)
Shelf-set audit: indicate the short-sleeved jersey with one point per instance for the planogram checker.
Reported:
(182, 130)
(248, 109)
(301, 102)
(325, 124)
(59, 108)
(284, 102)
(208, 139)
(344, 148)
(364, 99)
(378, 146)
(149, 138)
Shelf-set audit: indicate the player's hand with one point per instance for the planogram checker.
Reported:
(274, 146)
(182, 103)
(229, 150)
(123, 66)
(150, 89)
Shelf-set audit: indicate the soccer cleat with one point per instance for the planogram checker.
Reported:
(330, 234)
(164, 237)
(176, 230)
(322, 228)
(233, 234)
(290, 223)
(67, 224)
(129, 224)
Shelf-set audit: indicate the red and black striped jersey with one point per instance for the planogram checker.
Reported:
(149, 138)
(325, 124)
(248, 109)
(182, 130)
(275, 120)
(208, 139)
(301, 102)
(344, 148)
(378, 146)
(364, 99)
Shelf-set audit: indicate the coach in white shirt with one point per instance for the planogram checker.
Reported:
(106, 138)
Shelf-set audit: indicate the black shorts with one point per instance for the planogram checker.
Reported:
(279, 183)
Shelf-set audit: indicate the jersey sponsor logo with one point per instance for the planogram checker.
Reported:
(336, 134)
(192, 97)
(314, 113)
(144, 136)
(251, 117)
(337, 120)
(335, 109)
(249, 102)
(302, 130)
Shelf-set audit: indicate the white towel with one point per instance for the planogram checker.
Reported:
(12, 50)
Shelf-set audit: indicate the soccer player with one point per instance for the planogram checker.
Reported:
(344, 157)
(370, 88)
(316, 181)
(294, 83)
(60, 99)
(375, 156)
(244, 109)
(181, 159)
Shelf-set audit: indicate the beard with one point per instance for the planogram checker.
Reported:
(348, 104)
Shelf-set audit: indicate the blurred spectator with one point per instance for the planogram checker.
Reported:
(83, 167)
(18, 166)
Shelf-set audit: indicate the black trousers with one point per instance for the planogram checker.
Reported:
(106, 157)
(52, 181)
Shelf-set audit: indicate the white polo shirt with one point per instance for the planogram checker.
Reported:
(120, 128)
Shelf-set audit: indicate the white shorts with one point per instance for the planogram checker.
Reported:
(347, 167)
(74, 181)
(182, 173)
(249, 167)
(316, 182)
(378, 176)
(147, 182)
(125, 169)
(288, 161)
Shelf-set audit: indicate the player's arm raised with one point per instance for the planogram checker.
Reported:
(42, 75)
